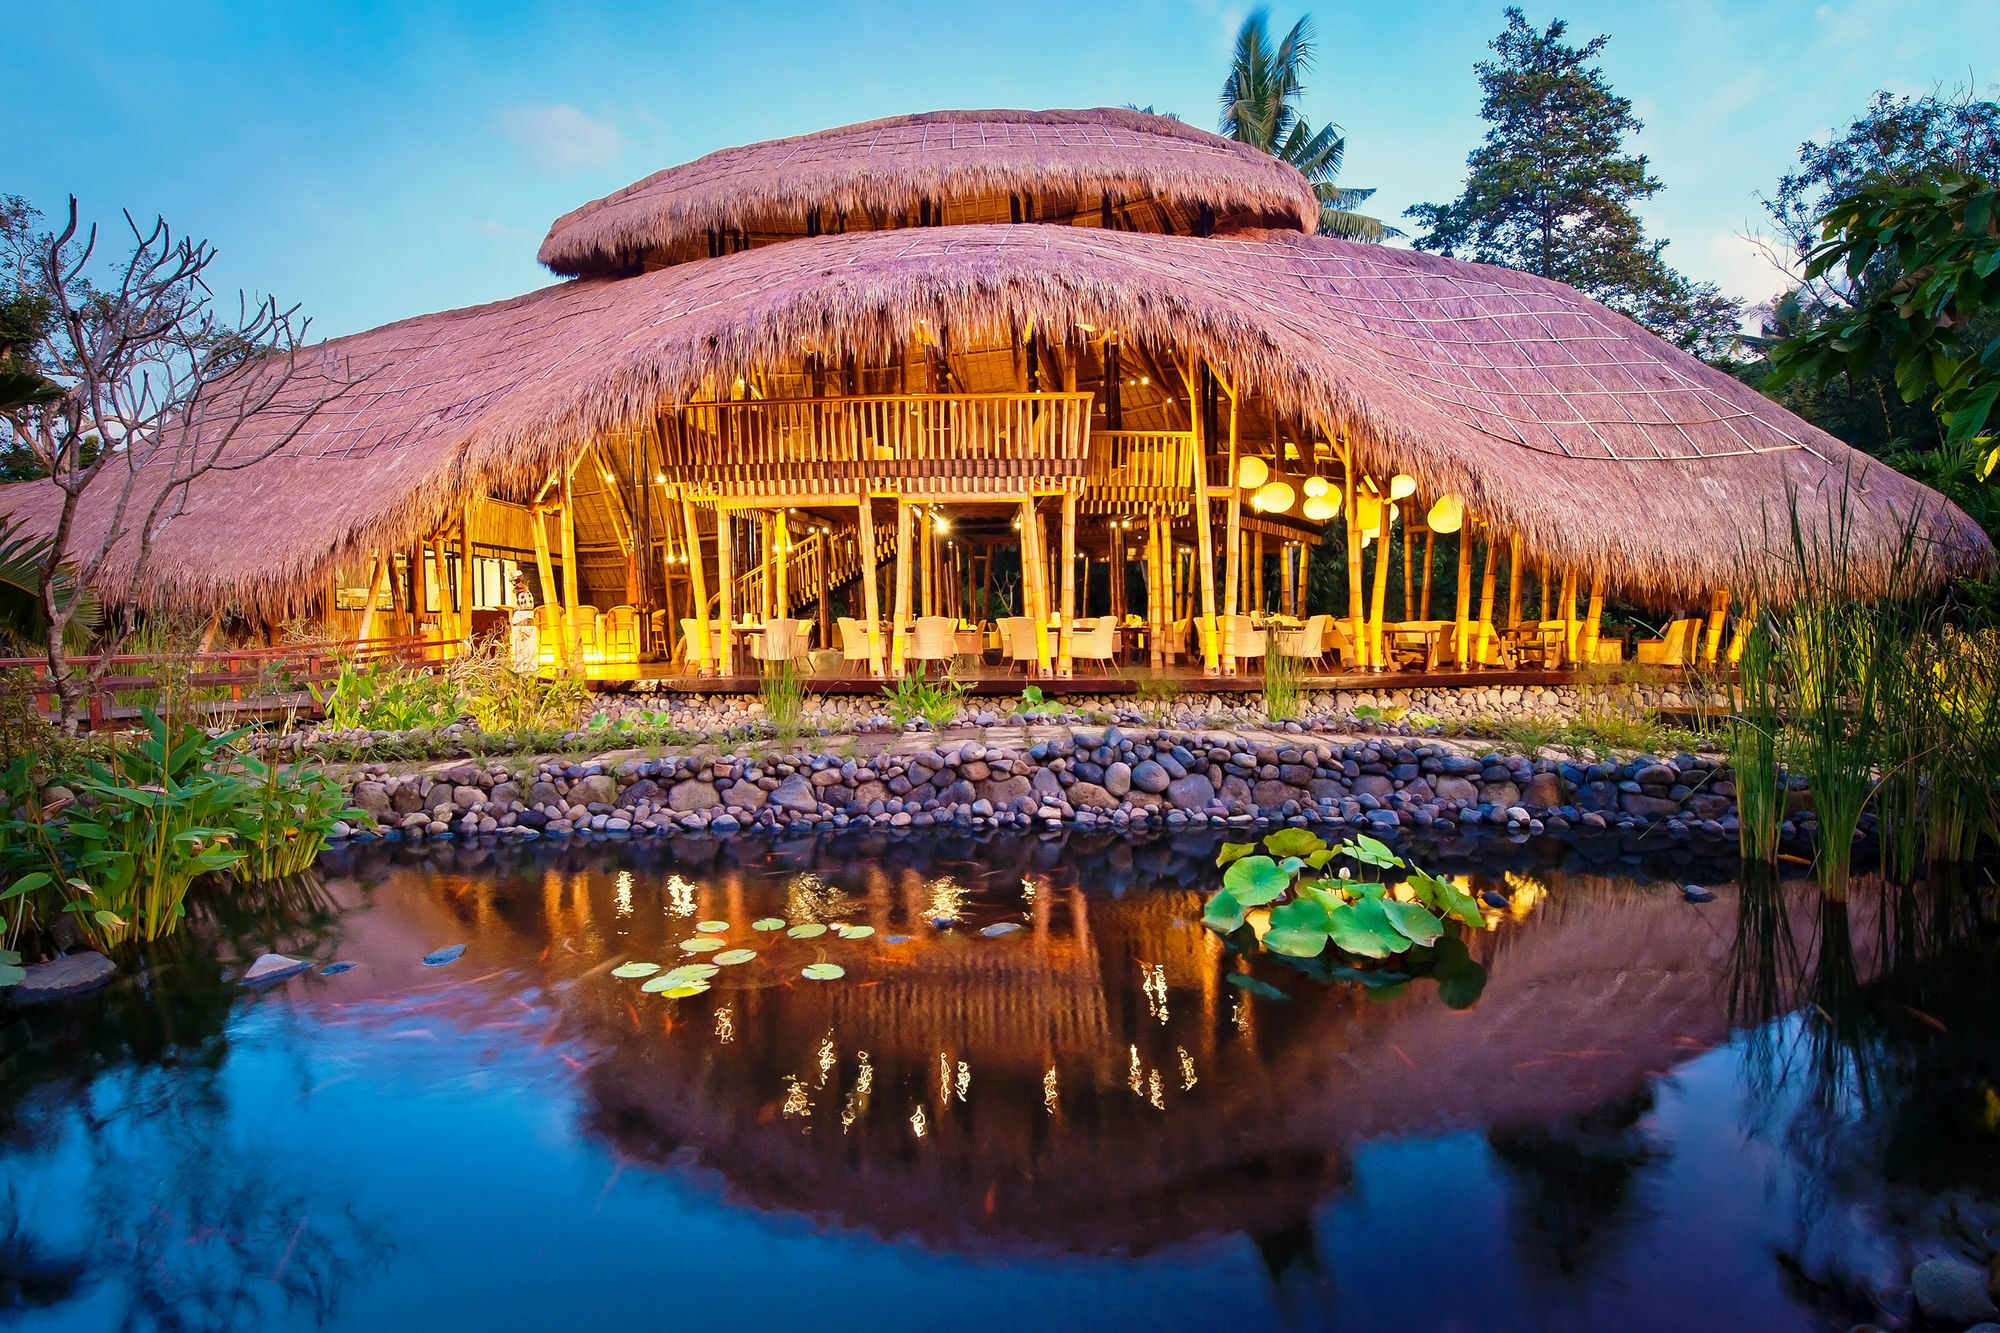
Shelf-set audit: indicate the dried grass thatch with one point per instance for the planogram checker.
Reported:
(1606, 449)
(962, 164)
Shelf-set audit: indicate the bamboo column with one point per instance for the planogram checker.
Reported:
(824, 576)
(1513, 581)
(1718, 611)
(781, 556)
(1462, 635)
(1257, 571)
(1063, 665)
(1288, 592)
(1039, 544)
(377, 572)
(1156, 647)
(870, 589)
(1204, 543)
(1409, 568)
(465, 600)
(1305, 579)
(1568, 597)
(572, 657)
(1378, 639)
(1430, 551)
(698, 577)
(1593, 619)
(900, 629)
(725, 590)
(1490, 568)
(1743, 625)
(1232, 557)
(1356, 614)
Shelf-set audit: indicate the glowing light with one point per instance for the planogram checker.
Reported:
(725, 1025)
(857, 1100)
(1322, 509)
(1316, 486)
(1188, 1080)
(1273, 497)
(964, 1079)
(1153, 980)
(797, 1101)
(660, 478)
(944, 1077)
(680, 897)
(1154, 1095)
(1135, 1078)
(827, 1057)
(1447, 515)
(1049, 1091)
(1251, 472)
(1402, 486)
(1368, 511)
(624, 893)
(918, 1123)
(947, 898)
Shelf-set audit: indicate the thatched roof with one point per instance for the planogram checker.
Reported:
(1607, 449)
(962, 164)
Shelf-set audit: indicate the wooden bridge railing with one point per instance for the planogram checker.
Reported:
(233, 669)
(1140, 466)
(919, 444)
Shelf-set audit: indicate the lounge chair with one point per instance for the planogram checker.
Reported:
(1672, 647)
(1098, 643)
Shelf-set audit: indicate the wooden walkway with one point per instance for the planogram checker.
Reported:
(996, 682)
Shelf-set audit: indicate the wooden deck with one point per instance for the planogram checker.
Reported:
(990, 681)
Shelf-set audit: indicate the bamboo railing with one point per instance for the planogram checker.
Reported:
(1140, 467)
(920, 445)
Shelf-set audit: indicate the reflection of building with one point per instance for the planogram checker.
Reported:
(1089, 1083)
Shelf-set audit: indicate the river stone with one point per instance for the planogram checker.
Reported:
(1373, 784)
(1597, 796)
(1502, 794)
(72, 974)
(405, 800)
(1192, 792)
(543, 793)
(597, 789)
(748, 795)
(1271, 793)
(504, 794)
(1046, 784)
(272, 967)
(467, 797)
(645, 789)
(1460, 790)
(372, 797)
(1543, 792)
(870, 792)
(795, 794)
(1118, 778)
(1707, 805)
(692, 794)
(1638, 803)
(1148, 775)
(1952, 1290)
(1002, 790)
(1088, 795)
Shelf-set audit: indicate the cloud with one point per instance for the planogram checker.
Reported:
(560, 138)
(497, 230)
(1747, 265)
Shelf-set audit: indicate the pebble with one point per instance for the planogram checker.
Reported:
(272, 967)
(72, 974)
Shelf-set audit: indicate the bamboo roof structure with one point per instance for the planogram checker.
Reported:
(1608, 450)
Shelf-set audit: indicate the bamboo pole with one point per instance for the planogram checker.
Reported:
(1718, 612)
(1513, 581)
(572, 579)
(1490, 567)
(1288, 592)
(1568, 597)
(1462, 634)
(824, 577)
(905, 573)
(1430, 552)
(1156, 591)
(725, 587)
(1378, 638)
(1232, 558)
(1063, 664)
(465, 599)
(1257, 571)
(1204, 541)
(1356, 615)
(781, 556)
(1305, 579)
(870, 589)
(1742, 631)
(698, 578)
(377, 576)
(1035, 574)
(1409, 568)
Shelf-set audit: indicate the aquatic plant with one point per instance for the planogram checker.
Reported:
(1753, 746)
(1337, 926)
(1283, 673)
(283, 818)
(912, 696)
(783, 690)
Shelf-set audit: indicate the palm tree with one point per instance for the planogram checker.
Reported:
(1260, 108)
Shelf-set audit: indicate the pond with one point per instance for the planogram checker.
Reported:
(1032, 1096)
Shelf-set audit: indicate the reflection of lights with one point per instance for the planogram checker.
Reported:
(1188, 1080)
(947, 898)
(1049, 1090)
(827, 1057)
(725, 1025)
(964, 1079)
(624, 891)
(918, 1123)
(1028, 891)
(796, 1100)
(1135, 1078)
(1153, 1094)
(680, 897)
(944, 1077)
(1154, 983)
(1242, 1014)
(857, 1100)
(1524, 894)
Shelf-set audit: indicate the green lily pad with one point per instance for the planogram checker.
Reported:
(855, 932)
(1317, 860)
(687, 972)
(1365, 929)
(627, 971)
(1256, 880)
(679, 991)
(731, 957)
(701, 944)
(1245, 981)
(711, 927)
(822, 971)
(1460, 978)
(1370, 851)
(811, 930)
(1300, 914)
(1295, 943)
(1413, 920)
(1293, 842)
(1234, 851)
(1447, 898)
(768, 923)
(1223, 912)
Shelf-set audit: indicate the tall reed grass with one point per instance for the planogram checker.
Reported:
(1282, 677)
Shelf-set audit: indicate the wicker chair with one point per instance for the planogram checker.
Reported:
(935, 640)
(589, 643)
(1017, 640)
(619, 628)
(1098, 643)
(853, 640)
(1311, 643)
(691, 641)
(1673, 647)
(1247, 640)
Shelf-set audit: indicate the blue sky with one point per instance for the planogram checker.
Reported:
(379, 160)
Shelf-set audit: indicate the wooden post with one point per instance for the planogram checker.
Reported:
(725, 587)
(698, 578)
(572, 656)
(1305, 579)
(871, 597)
(465, 597)
(1204, 542)
(1513, 581)
(899, 630)
(1356, 616)
(824, 576)
(1490, 568)
(782, 556)
(1592, 625)
(986, 585)
(1378, 638)
(1569, 615)
(1462, 635)
(1718, 612)
(1063, 663)
(1288, 592)
(1430, 553)
(1232, 553)
(378, 571)
(1257, 571)
(1409, 568)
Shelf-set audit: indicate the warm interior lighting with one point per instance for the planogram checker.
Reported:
(1447, 514)
(1273, 497)
(1402, 486)
(1322, 508)
(1368, 513)
(1316, 487)
(1251, 472)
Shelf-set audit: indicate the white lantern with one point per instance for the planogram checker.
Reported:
(1273, 497)
(1316, 487)
(1322, 508)
(1447, 514)
(1402, 486)
(1251, 472)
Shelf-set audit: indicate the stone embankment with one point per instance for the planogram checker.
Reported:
(1083, 777)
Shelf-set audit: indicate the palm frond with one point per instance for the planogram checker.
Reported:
(22, 558)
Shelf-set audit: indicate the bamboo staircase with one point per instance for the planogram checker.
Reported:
(841, 552)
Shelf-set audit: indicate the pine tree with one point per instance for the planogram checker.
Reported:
(1551, 190)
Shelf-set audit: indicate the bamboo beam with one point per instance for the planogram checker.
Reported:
(1378, 637)
(725, 590)
(1288, 592)
(698, 577)
(1356, 615)
(1232, 547)
(871, 594)
(900, 628)
(1430, 562)
(377, 576)
(1409, 568)
(572, 657)
(823, 574)
(782, 557)
(1490, 566)
(1204, 544)
(1462, 634)
(1063, 662)
(1569, 620)
(465, 596)
(1513, 580)
(1305, 579)
(1155, 592)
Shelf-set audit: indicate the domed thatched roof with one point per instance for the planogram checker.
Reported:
(1123, 169)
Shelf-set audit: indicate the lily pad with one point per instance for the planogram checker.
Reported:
(701, 944)
(1365, 929)
(731, 957)
(1223, 912)
(1447, 898)
(1256, 880)
(768, 923)
(1001, 928)
(810, 930)
(1413, 920)
(1245, 981)
(711, 927)
(1234, 851)
(1295, 943)
(448, 954)
(687, 972)
(661, 985)
(1293, 842)
(855, 932)
(1370, 851)
(822, 971)
(627, 971)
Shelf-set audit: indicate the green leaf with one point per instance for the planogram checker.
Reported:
(11, 975)
(1223, 912)
(1234, 851)
(1414, 920)
(1295, 943)
(701, 944)
(28, 883)
(1256, 880)
(1307, 914)
(1370, 852)
(768, 923)
(733, 957)
(854, 932)
(1244, 981)
(1293, 842)
(687, 972)
(822, 971)
(1317, 860)
(1365, 929)
(807, 931)
(711, 927)
(630, 971)
(1460, 978)
(1447, 898)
